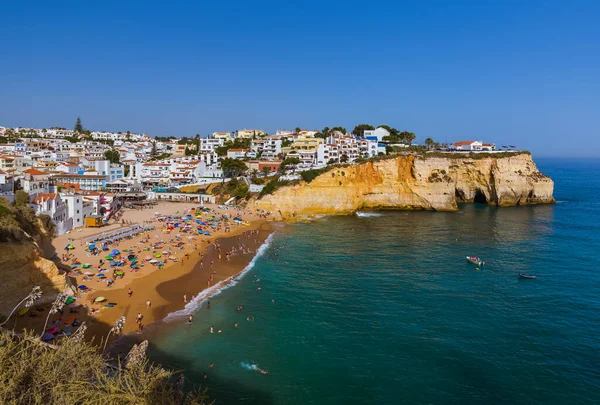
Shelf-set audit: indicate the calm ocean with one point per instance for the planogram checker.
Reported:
(384, 309)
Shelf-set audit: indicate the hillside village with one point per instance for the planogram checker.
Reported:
(80, 177)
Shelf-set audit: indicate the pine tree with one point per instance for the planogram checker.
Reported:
(78, 126)
(153, 153)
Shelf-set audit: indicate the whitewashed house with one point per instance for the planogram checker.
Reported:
(51, 204)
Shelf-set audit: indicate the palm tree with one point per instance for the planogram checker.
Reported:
(429, 143)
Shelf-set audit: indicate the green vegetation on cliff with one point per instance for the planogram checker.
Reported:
(75, 372)
(19, 219)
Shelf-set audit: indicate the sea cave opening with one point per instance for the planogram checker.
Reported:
(480, 197)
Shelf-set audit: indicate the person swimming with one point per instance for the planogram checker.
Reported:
(190, 319)
(212, 329)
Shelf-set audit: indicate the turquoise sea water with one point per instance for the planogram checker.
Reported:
(386, 310)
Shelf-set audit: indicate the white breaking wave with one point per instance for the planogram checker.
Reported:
(367, 214)
(216, 289)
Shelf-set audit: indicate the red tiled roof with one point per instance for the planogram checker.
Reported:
(45, 196)
(34, 172)
(463, 143)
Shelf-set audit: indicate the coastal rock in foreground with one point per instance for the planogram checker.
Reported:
(435, 181)
(22, 267)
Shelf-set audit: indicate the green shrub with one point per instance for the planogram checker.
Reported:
(74, 372)
(310, 175)
(273, 185)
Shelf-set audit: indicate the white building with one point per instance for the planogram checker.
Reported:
(270, 148)
(224, 136)
(210, 144)
(249, 133)
(378, 133)
(51, 204)
(112, 172)
(237, 153)
(475, 146)
(74, 208)
(35, 182)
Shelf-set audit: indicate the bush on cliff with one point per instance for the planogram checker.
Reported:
(273, 185)
(74, 372)
(310, 175)
(18, 219)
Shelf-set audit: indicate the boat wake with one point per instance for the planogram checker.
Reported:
(367, 214)
(216, 289)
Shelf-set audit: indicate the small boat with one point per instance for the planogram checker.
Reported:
(475, 260)
(525, 275)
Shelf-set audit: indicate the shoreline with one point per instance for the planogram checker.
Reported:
(122, 345)
(188, 275)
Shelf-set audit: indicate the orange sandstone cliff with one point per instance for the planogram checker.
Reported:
(415, 182)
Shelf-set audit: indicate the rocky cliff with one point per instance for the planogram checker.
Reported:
(22, 267)
(416, 182)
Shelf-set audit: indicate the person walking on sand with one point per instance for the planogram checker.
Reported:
(184, 298)
(139, 317)
(148, 304)
(129, 292)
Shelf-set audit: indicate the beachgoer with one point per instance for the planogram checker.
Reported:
(191, 318)
(235, 325)
(184, 298)
(205, 376)
(139, 317)
(129, 292)
(208, 305)
(211, 365)
(212, 329)
(148, 304)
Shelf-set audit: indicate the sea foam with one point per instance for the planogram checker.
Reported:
(367, 214)
(216, 289)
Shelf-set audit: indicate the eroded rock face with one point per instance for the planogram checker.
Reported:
(412, 182)
(21, 268)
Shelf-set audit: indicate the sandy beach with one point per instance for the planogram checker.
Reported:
(193, 263)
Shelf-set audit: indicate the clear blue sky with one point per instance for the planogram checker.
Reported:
(524, 73)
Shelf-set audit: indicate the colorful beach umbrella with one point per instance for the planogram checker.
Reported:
(109, 257)
(157, 255)
(100, 299)
(82, 287)
(69, 300)
(115, 252)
